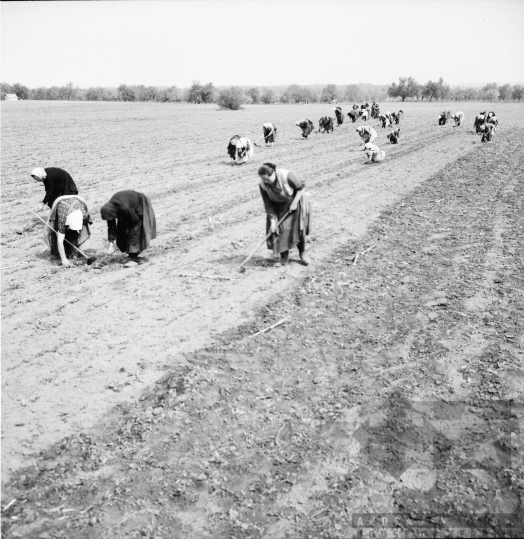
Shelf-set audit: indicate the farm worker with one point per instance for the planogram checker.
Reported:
(354, 115)
(385, 121)
(306, 126)
(394, 136)
(487, 131)
(458, 117)
(282, 191)
(375, 110)
(240, 149)
(270, 133)
(365, 115)
(338, 114)
(57, 183)
(367, 133)
(131, 223)
(70, 218)
(492, 119)
(374, 153)
(479, 120)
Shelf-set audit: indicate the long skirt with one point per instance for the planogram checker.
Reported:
(376, 156)
(71, 236)
(247, 156)
(340, 119)
(306, 131)
(137, 239)
(290, 232)
(270, 137)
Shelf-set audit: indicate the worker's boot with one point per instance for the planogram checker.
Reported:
(303, 254)
(284, 258)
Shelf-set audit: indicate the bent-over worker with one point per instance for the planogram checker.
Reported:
(70, 219)
(281, 192)
(57, 183)
(131, 223)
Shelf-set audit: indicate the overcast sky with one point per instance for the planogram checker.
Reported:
(261, 42)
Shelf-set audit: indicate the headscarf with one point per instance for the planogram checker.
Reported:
(109, 211)
(75, 220)
(267, 169)
(114, 210)
(39, 173)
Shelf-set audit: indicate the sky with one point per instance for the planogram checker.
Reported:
(261, 42)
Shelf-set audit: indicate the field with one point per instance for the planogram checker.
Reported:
(137, 399)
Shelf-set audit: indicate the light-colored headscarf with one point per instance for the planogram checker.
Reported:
(39, 173)
(75, 220)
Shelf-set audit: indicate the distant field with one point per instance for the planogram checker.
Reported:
(67, 334)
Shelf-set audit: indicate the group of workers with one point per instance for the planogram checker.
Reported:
(131, 222)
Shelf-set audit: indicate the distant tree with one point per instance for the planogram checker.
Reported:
(329, 93)
(284, 98)
(21, 91)
(208, 93)
(93, 94)
(38, 94)
(6, 88)
(353, 93)
(518, 92)
(194, 94)
(294, 94)
(505, 92)
(53, 93)
(125, 93)
(430, 90)
(201, 94)
(470, 94)
(490, 92)
(232, 98)
(267, 97)
(169, 95)
(68, 92)
(151, 93)
(407, 87)
(254, 94)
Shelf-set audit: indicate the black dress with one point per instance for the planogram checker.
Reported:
(57, 183)
(130, 220)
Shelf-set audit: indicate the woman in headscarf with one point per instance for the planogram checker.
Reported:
(306, 126)
(367, 133)
(281, 192)
(374, 153)
(458, 117)
(270, 133)
(57, 183)
(339, 115)
(131, 223)
(486, 130)
(70, 219)
(240, 149)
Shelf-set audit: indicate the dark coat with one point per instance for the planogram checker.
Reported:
(58, 183)
(130, 221)
(325, 124)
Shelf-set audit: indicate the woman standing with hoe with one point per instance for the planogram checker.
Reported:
(283, 193)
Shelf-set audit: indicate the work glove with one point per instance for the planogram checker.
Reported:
(111, 248)
(273, 227)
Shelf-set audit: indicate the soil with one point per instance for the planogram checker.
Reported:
(137, 403)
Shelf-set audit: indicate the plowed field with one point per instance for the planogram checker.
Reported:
(78, 341)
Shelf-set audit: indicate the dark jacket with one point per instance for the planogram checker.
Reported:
(58, 183)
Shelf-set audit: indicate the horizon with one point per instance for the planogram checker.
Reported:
(79, 42)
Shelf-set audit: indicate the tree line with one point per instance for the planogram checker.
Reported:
(234, 97)
(409, 88)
